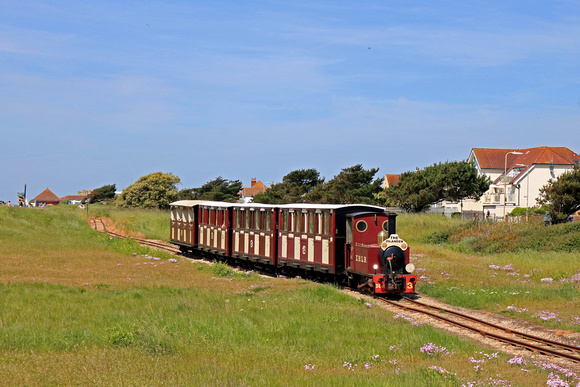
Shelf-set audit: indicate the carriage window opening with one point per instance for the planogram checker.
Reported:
(237, 218)
(361, 226)
(258, 219)
(348, 230)
(268, 220)
(247, 215)
(298, 222)
(312, 219)
(326, 223)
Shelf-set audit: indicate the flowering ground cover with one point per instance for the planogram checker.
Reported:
(89, 310)
(535, 284)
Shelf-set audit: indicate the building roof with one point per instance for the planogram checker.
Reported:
(47, 196)
(72, 197)
(391, 180)
(496, 158)
(255, 189)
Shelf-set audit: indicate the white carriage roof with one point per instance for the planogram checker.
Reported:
(187, 203)
(302, 206)
(312, 206)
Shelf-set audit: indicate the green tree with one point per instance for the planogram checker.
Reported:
(219, 189)
(106, 192)
(156, 190)
(352, 185)
(453, 181)
(562, 195)
(294, 186)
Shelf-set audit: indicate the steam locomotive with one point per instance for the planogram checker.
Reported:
(353, 244)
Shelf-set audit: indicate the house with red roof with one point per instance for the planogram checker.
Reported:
(518, 175)
(390, 180)
(256, 187)
(47, 198)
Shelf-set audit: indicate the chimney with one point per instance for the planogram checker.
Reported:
(253, 183)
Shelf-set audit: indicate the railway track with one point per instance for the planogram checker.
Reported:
(100, 226)
(506, 335)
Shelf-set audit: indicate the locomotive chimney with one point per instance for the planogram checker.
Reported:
(392, 224)
(253, 182)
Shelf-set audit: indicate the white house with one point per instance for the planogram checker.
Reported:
(518, 172)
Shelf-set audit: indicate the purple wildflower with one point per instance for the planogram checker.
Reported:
(508, 267)
(409, 319)
(495, 267)
(519, 360)
(368, 304)
(347, 365)
(547, 315)
(172, 260)
(432, 349)
(519, 310)
(309, 367)
(555, 381)
(441, 370)
(547, 280)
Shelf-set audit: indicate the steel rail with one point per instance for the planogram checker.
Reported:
(519, 343)
(553, 343)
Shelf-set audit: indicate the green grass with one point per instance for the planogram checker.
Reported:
(154, 224)
(498, 267)
(79, 308)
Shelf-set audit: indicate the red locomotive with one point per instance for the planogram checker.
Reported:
(352, 243)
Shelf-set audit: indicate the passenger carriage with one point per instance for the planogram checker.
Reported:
(184, 224)
(215, 219)
(254, 232)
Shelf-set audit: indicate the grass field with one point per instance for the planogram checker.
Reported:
(525, 280)
(78, 308)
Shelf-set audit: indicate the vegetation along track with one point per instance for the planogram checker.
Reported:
(99, 225)
(518, 339)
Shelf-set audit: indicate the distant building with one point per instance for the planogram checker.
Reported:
(47, 197)
(256, 187)
(521, 173)
(76, 199)
(73, 199)
(390, 180)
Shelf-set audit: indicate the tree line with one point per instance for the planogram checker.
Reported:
(415, 191)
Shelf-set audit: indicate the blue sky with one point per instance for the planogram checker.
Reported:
(95, 93)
